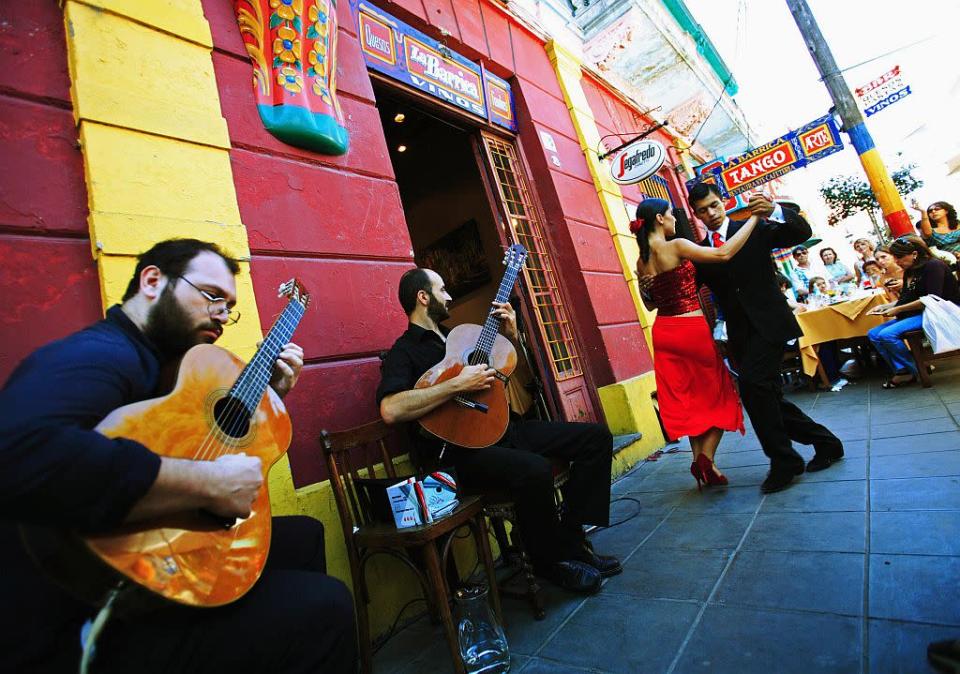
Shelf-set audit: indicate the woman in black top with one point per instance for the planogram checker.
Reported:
(922, 275)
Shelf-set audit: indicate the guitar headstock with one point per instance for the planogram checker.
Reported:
(294, 291)
(514, 256)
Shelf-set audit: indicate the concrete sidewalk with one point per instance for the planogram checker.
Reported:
(853, 569)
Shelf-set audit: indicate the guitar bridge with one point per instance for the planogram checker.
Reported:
(472, 404)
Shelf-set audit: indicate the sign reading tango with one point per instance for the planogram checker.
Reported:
(794, 150)
(405, 54)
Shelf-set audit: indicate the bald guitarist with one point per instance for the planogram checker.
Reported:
(519, 464)
(55, 471)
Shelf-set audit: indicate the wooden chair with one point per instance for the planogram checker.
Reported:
(346, 454)
(923, 358)
(500, 509)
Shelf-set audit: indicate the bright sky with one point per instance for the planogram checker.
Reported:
(780, 87)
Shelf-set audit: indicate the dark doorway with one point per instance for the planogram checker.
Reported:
(451, 223)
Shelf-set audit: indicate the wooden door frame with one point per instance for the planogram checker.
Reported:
(500, 210)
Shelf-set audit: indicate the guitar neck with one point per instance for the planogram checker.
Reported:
(491, 328)
(252, 383)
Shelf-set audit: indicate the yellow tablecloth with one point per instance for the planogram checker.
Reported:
(838, 321)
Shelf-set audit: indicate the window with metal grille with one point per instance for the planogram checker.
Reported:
(656, 187)
(511, 183)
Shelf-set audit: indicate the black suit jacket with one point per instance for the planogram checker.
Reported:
(746, 288)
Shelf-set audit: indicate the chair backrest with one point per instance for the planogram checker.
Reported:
(347, 453)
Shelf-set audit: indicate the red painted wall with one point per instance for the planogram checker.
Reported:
(48, 280)
(338, 224)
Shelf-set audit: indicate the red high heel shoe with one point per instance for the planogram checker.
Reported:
(711, 475)
(697, 474)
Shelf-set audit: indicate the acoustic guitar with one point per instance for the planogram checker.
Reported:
(477, 419)
(218, 406)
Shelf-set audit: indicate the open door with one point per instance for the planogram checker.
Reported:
(521, 216)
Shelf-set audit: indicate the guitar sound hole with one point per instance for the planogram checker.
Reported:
(476, 358)
(232, 417)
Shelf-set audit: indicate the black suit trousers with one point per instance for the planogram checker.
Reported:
(520, 466)
(296, 619)
(775, 420)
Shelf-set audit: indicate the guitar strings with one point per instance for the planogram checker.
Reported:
(218, 441)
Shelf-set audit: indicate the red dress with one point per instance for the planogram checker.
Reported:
(694, 387)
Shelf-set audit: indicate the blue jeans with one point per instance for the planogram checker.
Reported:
(888, 341)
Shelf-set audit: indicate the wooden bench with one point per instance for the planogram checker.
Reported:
(923, 358)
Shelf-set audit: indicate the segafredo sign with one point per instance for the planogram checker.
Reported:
(637, 161)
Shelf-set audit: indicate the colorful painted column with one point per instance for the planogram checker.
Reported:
(891, 203)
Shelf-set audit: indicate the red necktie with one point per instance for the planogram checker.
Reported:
(717, 241)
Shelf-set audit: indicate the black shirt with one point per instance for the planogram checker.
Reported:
(414, 352)
(56, 471)
(933, 278)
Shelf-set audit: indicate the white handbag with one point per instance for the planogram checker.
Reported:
(941, 323)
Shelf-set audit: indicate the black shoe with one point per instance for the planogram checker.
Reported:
(573, 575)
(945, 655)
(605, 564)
(778, 480)
(824, 459)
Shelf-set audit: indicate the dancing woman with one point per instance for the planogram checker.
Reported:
(694, 388)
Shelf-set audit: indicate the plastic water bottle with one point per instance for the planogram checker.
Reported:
(483, 646)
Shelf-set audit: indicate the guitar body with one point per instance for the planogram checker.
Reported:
(194, 560)
(454, 422)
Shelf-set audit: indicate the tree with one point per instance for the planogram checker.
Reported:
(848, 195)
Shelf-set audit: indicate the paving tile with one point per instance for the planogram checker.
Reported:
(659, 573)
(855, 449)
(639, 635)
(858, 432)
(623, 539)
(915, 430)
(818, 497)
(929, 442)
(700, 532)
(954, 408)
(919, 464)
(901, 648)
(917, 533)
(733, 640)
(810, 581)
(824, 532)
(544, 666)
(753, 457)
(909, 414)
(850, 468)
(525, 634)
(745, 476)
(919, 493)
(653, 503)
(915, 588)
(676, 481)
(743, 500)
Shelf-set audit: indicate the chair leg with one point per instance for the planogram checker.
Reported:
(533, 586)
(479, 527)
(915, 342)
(435, 576)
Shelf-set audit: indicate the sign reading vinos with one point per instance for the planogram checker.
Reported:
(405, 54)
(794, 150)
(637, 161)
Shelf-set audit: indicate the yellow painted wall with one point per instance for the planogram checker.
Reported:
(627, 405)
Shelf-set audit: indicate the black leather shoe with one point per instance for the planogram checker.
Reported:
(945, 655)
(824, 459)
(778, 480)
(573, 575)
(607, 565)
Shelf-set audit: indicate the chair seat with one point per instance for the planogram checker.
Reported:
(388, 535)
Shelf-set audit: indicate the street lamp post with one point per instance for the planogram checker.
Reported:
(894, 212)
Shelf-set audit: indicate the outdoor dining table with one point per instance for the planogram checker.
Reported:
(843, 320)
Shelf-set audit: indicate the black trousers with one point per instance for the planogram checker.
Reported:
(519, 465)
(775, 420)
(296, 619)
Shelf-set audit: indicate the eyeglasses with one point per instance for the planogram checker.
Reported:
(217, 305)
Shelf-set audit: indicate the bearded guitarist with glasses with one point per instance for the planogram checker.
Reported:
(57, 472)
